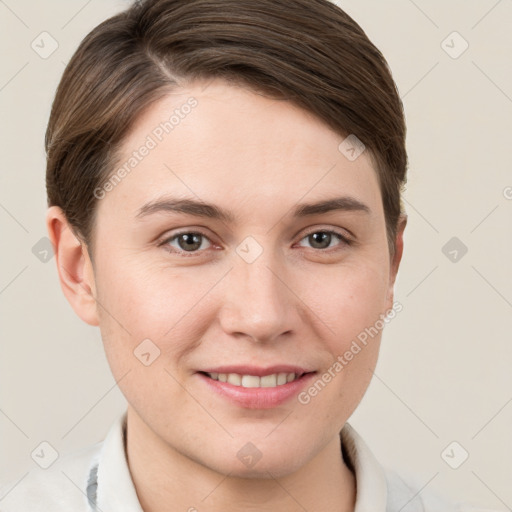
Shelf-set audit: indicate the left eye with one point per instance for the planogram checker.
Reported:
(322, 239)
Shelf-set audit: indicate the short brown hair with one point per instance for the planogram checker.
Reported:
(309, 52)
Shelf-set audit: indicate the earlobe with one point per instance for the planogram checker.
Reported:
(395, 262)
(74, 266)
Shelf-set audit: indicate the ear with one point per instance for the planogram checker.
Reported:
(395, 262)
(74, 266)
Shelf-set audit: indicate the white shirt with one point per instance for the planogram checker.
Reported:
(98, 478)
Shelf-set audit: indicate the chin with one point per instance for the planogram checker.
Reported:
(264, 462)
(261, 470)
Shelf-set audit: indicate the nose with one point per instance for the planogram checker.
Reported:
(258, 302)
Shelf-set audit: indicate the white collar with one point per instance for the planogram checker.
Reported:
(371, 484)
(113, 489)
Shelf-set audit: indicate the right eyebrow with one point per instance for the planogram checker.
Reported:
(188, 206)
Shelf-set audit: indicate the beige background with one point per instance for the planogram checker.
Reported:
(445, 368)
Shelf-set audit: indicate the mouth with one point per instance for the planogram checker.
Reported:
(254, 381)
(256, 388)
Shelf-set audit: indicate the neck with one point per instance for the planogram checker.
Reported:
(168, 481)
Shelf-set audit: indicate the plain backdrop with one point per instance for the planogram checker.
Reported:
(444, 373)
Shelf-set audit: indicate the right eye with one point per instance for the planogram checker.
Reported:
(185, 242)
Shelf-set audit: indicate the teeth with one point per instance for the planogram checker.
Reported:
(235, 379)
(268, 381)
(253, 381)
(250, 381)
(281, 378)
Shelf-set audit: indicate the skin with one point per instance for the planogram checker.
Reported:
(296, 303)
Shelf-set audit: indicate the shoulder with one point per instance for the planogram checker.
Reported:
(407, 494)
(384, 489)
(63, 486)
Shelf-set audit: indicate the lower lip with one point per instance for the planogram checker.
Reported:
(258, 398)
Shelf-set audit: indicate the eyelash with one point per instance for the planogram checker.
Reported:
(345, 241)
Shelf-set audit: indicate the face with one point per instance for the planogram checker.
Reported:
(186, 295)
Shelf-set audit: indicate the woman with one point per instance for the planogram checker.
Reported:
(224, 183)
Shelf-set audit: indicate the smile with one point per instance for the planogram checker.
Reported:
(253, 387)
(253, 381)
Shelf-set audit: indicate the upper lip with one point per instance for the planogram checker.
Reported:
(258, 371)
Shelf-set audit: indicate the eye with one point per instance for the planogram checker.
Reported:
(186, 241)
(321, 239)
(193, 242)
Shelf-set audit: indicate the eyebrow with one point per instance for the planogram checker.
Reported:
(208, 210)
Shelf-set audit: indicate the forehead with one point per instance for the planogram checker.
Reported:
(226, 144)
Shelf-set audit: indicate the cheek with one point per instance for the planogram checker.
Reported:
(146, 318)
(348, 299)
(146, 299)
(350, 304)
(152, 301)
(159, 304)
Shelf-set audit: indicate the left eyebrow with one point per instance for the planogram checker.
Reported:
(212, 211)
(344, 203)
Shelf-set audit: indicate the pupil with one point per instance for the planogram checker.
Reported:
(322, 236)
(191, 241)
